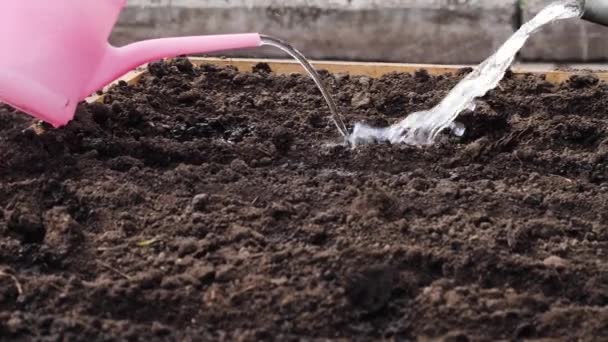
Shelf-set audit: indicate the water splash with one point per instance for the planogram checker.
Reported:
(335, 115)
(422, 128)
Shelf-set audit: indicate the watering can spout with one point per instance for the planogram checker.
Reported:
(596, 11)
(118, 61)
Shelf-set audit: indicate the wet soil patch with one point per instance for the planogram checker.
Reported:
(208, 204)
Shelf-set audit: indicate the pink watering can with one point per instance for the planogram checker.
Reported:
(55, 53)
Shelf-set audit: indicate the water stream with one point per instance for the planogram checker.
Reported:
(335, 115)
(422, 128)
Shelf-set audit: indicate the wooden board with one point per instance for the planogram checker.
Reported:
(375, 70)
(370, 69)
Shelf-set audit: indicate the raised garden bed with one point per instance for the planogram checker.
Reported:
(209, 204)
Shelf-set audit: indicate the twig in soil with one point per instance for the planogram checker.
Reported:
(265, 152)
(521, 164)
(148, 243)
(561, 177)
(114, 270)
(15, 281)
(243, 291)
(112, 248)
(255, 200)
(37, 127)
(56, 287)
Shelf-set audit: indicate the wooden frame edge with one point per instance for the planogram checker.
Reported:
(371, 69)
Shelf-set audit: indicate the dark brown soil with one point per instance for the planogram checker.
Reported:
(205, 204)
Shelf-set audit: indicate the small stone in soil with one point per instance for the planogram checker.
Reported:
(200, 201)
(63, 233)
(556, 262)
(265, 161)
(361, 100)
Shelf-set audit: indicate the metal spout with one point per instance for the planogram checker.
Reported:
(595, 11)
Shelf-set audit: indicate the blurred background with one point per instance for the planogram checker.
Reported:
(462, 32)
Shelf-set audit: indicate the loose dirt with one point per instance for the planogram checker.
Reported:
(208, 204)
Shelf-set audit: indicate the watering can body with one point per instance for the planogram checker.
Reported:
(56, 53)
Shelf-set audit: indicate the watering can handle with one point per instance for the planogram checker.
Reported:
(118, 61)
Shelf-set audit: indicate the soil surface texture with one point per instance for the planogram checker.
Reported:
(205, 204)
